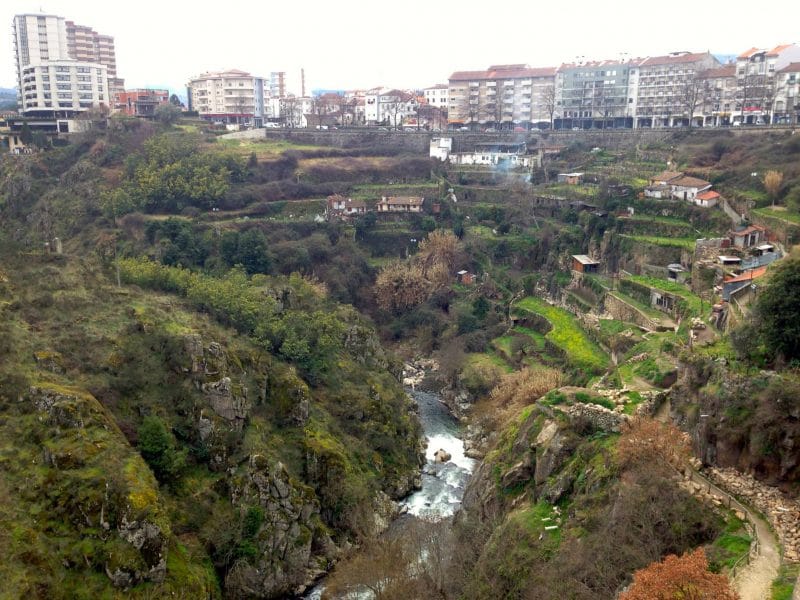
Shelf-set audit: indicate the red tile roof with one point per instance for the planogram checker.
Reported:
(748, 275)
(778, 49)
(750, 52)
(748, 230)
(403, 200)
(691, 182)
(517, 72)
(674, 59)
(667, 176)
(708, 195)
(726, 71)
(791, 68)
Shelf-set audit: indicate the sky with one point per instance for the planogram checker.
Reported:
(350, 44)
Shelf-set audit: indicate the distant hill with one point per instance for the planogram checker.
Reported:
(8, 92)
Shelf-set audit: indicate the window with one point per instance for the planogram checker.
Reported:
(62, 69)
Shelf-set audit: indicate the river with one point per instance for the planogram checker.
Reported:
(442, 483)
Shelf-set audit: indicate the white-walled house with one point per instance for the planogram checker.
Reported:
(687, 188)
(389, 106)
(441, 147)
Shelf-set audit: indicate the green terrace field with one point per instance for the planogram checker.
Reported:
(265, 148)
(693, 301)
(566, 334)
(685, 243)
(778, 213)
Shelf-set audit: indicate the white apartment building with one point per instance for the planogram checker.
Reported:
(230, 97)
(389, 107)
(438, 95)
(502, 97)
(63, 86)
(55, 77)
(663, 90)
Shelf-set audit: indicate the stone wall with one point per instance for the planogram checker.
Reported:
(622, 311)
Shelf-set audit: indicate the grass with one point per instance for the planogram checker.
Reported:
(648, 311)
(538, 338)
(778, 213)
(489, 359)
(783, 585)
(567, 335)
(694, 302)
(265, 148)
(670, 242)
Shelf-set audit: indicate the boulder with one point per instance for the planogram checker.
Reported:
(442, 456)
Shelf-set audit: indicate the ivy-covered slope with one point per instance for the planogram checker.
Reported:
(152, 447)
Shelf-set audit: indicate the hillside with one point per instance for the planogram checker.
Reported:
(201, 366)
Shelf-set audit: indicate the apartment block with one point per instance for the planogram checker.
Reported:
(277, 84)
(230, 97)
(50, 81)
(669, 90)
(787, 104)
(720, 95)
(502, 97)
(758, 83)
(594, 94)
(57, 75)
(85, 44)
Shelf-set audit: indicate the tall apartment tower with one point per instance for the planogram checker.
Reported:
(62, 68)
(277, 84)
(85, 44)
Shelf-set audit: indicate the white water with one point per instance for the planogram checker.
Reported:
(442, 484)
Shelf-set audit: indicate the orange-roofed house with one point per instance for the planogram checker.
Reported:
(687, 188)
(733, 284)
(707, 199)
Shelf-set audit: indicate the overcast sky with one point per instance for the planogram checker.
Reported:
(411, 44)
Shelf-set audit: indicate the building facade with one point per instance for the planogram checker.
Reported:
(758, 82)
(437, 95)
(502, 97)
(389, 107)
(141, 102)
(87, 45)
(57, 75)
(595, 95)
(229, 97)
(669, 91)
(787, 104)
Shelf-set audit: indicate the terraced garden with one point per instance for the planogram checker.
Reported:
(567, 335)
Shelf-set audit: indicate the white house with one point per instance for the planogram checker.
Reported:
(441, 147)
(389, 106)
(687, 188)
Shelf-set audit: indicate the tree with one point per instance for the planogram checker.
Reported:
(649, 442)
(175, 101)
(777, 308)
(679, 578)
(549, 102)
(25, 134)
(157, 447)
(167, 113)
(692, 94)
(772, 183)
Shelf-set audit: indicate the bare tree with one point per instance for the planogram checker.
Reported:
(692, 94)
(549, 102)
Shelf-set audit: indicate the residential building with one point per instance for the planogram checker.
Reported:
(400, 204)
(594, 95)
(502, 97)
(277, 84)
(687, 188)
(86, 45)
(339, 207)
(56, 76)
(389, 107)
(787, 102)
(570, 178)
(707, 199)
(668, 91)
(758, 82)
(437, 95)
(719, 98)
(731, 285)
(502, 156)
(140, 102)
(748, 237)
(231, 97)
(441, 147)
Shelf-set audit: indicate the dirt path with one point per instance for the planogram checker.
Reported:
(754, 580)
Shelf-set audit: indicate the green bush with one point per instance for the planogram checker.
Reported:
(157, 446)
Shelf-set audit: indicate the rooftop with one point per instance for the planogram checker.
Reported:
(691, 182)
(504, 72)
(412, 200)
(708, 195)
(747, 275)
(676, 58)
(667, 176)
(584, 260)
